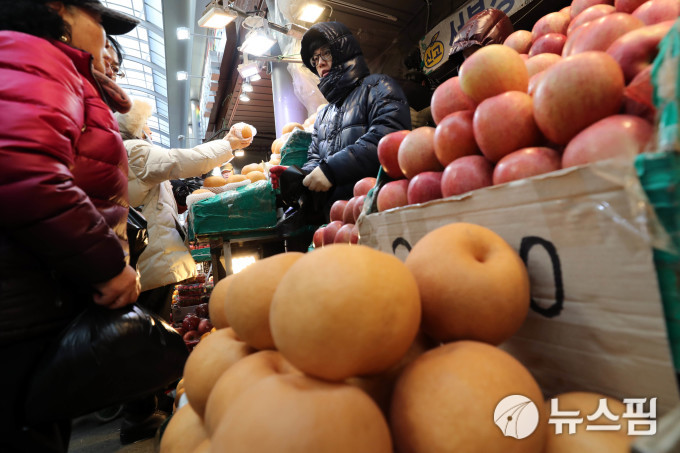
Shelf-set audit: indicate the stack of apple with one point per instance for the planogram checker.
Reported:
(343, 216)
(574, 90)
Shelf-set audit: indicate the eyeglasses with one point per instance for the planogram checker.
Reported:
(325, 55)
(116, 70)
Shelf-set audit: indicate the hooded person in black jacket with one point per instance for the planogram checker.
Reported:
(362, 108)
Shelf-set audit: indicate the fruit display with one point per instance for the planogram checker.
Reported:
(190, 313)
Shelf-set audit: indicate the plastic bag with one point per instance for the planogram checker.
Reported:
(104, 357)
(138, 235)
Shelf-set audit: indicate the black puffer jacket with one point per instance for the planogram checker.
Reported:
(362, 109)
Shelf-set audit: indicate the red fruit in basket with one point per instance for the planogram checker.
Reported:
(519, 40)
(493, 70)
(550, 23)
(578, 6)
(589, 14)
(393, 195)
(202, 311)
(204, 326)
(190, 322)
(180, 330)
(354, 238)
(416, 152)
(454, 137)
(466, 174)
(449, 98)
(657, 11)
(330, 231)
(338, 209)
(636, 50)
(628, 6)
(600, 33)
(363, 186)
(348, 215)
(344, 234)
(548, 43)
(525, 163)
(317, 239)
(388, 150)
(541, 62)
(424, 187)
(358, 207)
(192, 335)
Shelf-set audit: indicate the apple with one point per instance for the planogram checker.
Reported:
(524, 56)
(466, 174)
(388, 151)
(344, 234)
(519, 40)
(449, 98)
(575, 93)
(317, 239)
(358, 207)
(628, 6)
(454, 137)
(204, 326)
(330, 231)
(338, 209)
(393, 195)
(505, 123)
(567, 50)
(180, 330)
(525, 163)
(348, 214)
(190, 322)
(566, 10)
(600, 33)
(615, 136)
(638, 96)
(550, 23)
(416, 152)
(535, 80)
(191, 336)
(541, 62)
(637, 49)
(589, 14)
(548, 43)
(363, 186)
(577, 6)
(424, 187)
(493, 70)
(657, 11)
(354, 238)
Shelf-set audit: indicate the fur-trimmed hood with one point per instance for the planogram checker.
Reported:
(132, 123)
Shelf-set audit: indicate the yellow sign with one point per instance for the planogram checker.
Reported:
(434, 52)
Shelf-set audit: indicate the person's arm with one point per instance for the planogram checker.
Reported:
(43, 209)
(313, 157)
(388, 111)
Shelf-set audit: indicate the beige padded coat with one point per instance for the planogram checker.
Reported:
(166, 259)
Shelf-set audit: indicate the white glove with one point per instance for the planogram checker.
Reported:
(317, 181)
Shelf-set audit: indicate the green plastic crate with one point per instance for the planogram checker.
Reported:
(294, 151)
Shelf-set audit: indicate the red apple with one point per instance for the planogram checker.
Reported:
(627, 6)
(550, 23)
(454, 137)
(330, 231)
(190, 322)
(317, 239)
(393, 195)
(424, 187)
(615, 136)
(191, 336)
(204, 326)
(580, 5)
(657, 11)
(637, 49)
(358, 207)
(344, 234)
(363, 186)
(493, 70)
(535, 80)
(505, 123)
(338, 209)
(575, 93)
(574, 37)
(525, 163)
(466, 174)
(600, 33)
(388, 150)
(348, 215)
(354, 238)
(541, 62)
(548, 43)
(180, 330)
(449, 98)
(589, 14)
(566, 10)
(638, 96)
(519, 40)
(416, 152)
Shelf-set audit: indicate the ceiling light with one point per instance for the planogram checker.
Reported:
(183, 33)
(310, 12)
(216, 16)
(239, 153)
(363, 10)
(257, 43)
(248, 69)
(247, 87)
(244, 97)
(182, 75)
(254, 77)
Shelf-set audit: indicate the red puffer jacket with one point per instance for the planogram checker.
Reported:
(63, 185)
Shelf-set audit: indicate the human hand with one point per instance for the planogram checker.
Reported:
(317, 181)
(121, 290)
(237, 142)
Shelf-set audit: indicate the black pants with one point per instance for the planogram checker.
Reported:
(18, 363)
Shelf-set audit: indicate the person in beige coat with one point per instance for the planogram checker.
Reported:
(166, 260)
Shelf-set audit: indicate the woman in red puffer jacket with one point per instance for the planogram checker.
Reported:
(63, 191)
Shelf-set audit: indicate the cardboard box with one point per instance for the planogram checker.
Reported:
(597, 321)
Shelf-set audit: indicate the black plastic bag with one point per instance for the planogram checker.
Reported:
(137, 233)
(104, 357)
(310, 205)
